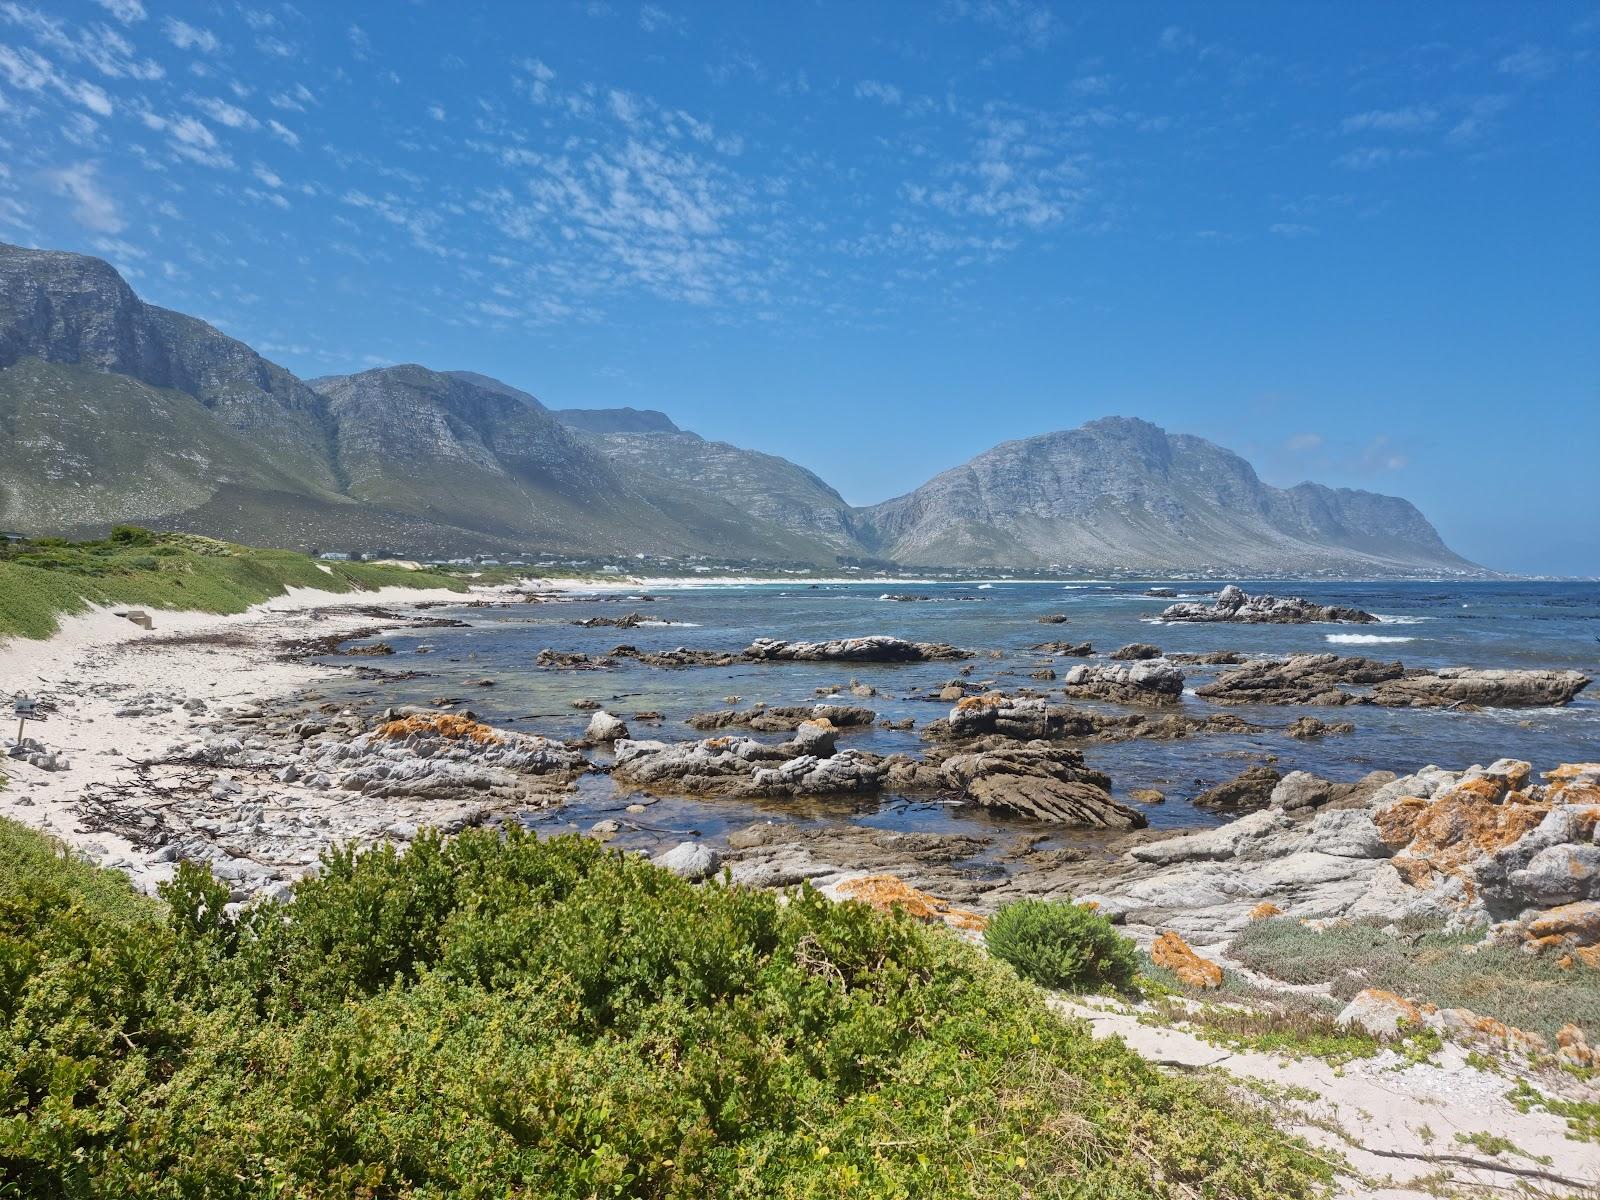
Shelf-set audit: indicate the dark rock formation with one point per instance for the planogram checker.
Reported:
(1142, 683)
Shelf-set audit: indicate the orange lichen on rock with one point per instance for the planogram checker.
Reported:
(1565, 927)
(1574, 1049)
(889, 892)
(1474, 818)
(1174, 954)
(1265, 909)
(445, 725)
(1589, 956)
(987, 700)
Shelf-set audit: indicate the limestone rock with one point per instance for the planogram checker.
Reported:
(693, 861)
(603, 727)
(1380, 1013)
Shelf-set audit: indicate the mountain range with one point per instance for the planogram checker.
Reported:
(117, 410)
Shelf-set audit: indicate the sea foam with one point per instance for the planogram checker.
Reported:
(1364, 639)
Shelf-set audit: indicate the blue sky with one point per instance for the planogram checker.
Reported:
(1355, 242)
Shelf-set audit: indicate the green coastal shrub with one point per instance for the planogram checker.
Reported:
(498, 1016)
(1062, 945)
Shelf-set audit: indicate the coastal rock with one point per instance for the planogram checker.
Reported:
(693, 861)
(1172, 953)
(1135, 652)
(603, 727)
(783, 719)
(1232, 604)
(1302, 790)
(1066, 649)
(995, 713)
(1329, 679)
(1030, 779)
(1142, 683)
(1380, 1013)
(1250, 789)
(1464, 687)
(888, 893)
(728, 766)
(879, 648)
(1309, 727)
(1209, 658)
(1054, 619)
(1300, 679)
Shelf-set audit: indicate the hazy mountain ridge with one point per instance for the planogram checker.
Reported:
(122, 410)
(1122, 493)
(767, 487)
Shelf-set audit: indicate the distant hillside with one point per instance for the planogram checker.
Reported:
(1120, 493)
(666, 461)
(115, 410)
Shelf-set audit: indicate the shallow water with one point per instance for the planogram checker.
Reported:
(1553, 625)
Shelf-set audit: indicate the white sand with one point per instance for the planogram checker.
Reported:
(109, 652)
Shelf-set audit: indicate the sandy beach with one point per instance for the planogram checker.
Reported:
(99, 665)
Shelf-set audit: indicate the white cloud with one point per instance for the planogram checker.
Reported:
(1034, 25)
(1530, 62)
(92, 207)
(886, 93)
(436, 111)
(126, 11)
(92, 98)
(1092, 85)
(295, 99)
(1300, 443)
(654, 19)
(1366, 158)
(1396, 120)
(224, 113)
(1290, 229)
(191, 37)
(283, 133)
(268, 176)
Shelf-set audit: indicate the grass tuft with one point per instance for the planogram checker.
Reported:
(44, 579)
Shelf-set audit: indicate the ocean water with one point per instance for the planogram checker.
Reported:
(1554, 625)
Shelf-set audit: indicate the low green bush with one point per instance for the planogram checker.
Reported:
(1062, 945)
(498, 1016)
